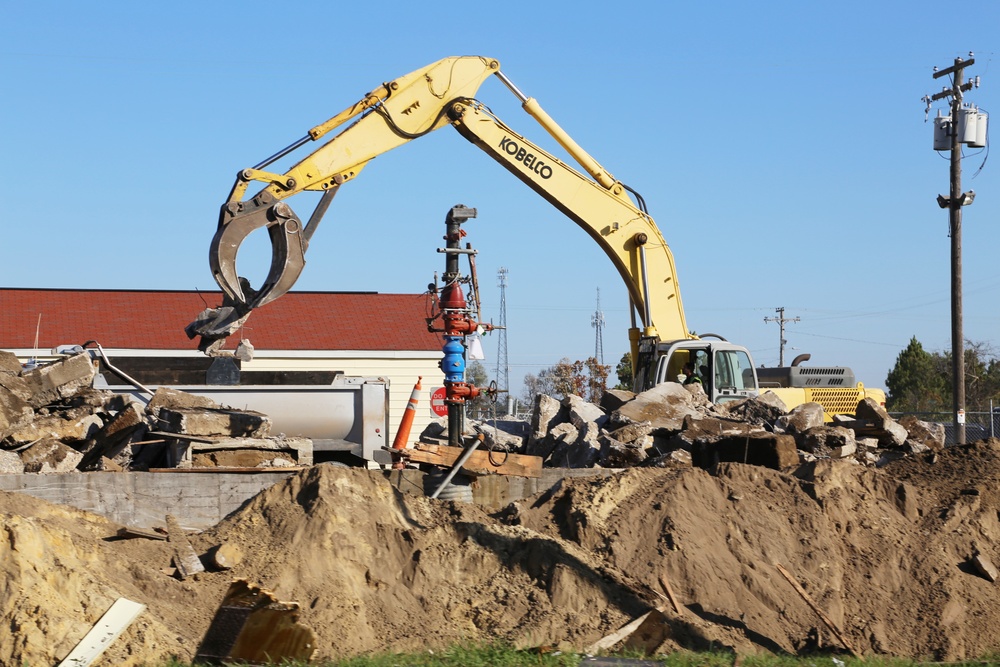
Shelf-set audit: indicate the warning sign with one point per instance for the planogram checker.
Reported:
(438, 406)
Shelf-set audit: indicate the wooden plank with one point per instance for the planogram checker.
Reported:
(129, 531)
(480, 463)
(185, 559)
(670, 593)
(115, 621)
(819, 612)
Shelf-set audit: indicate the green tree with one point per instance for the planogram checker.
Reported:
(623, 370)
(919, 381)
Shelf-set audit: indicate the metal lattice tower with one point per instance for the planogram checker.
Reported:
(503, 368)
(597, 321)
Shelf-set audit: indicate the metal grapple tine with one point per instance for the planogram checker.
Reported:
(236, 222)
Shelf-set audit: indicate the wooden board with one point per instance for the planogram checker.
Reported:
(480, 463)
(114, 622)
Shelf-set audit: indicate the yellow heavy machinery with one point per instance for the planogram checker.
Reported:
(612, 214)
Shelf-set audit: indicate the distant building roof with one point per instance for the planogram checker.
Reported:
(155, 320)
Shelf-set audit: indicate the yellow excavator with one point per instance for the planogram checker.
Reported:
(613, 215)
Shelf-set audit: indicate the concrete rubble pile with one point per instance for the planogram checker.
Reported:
(53, 420)
(675, 424)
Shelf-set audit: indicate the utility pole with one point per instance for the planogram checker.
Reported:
(597, 321)
(781, 319)
(956, 130)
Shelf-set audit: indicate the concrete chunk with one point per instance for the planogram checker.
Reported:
(802, 418)
(66, 425)
(664, 406)
(214, 422)
(14, 412)
(985, 567)
(10, 463)
(582, 412)
(165, 397)
(9, 363)
(546, 413)
(769, 450)
(60, 379)
(50, 455)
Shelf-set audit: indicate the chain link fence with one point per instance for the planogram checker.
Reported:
(978, 425)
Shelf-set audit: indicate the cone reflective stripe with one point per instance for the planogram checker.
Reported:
(403, 434)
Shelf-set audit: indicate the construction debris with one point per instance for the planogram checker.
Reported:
(674, 424)
(53, 421)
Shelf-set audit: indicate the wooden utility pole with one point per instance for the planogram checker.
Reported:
(781, 319)
(954, 203)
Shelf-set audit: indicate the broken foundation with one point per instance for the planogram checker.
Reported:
(199, 499)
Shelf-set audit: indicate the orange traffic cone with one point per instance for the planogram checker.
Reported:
(403, 434)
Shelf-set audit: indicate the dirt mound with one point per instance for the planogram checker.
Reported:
(884, 552)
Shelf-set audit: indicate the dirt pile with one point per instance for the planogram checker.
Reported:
(885, 552)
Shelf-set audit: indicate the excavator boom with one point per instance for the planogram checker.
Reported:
(407, 108)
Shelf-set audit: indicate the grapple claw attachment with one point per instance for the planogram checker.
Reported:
(237, 221)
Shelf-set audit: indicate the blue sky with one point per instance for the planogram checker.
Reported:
(781, 147)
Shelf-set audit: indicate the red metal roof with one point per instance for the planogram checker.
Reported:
(141, 319)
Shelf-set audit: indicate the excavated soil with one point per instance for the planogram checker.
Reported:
(886, 553)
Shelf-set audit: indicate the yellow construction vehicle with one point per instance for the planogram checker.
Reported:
(443, 94)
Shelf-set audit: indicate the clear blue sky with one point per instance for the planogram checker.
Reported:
(781, 148)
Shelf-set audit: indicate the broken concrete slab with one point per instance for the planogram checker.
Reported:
(665, 406)
(113, 437)
(74, 424)
(823, 440)
(612, 399)
(214, 422)
(926, 433)
(165, 397)
(546, 413)
(582, 412)
(617, 454)
(50, 456)
(15, 412)
(802, 417)
(763, 409)
(59, 379)
(9, 363)
(769, 450)
(557, 435)
(10, 463)
(182, 450)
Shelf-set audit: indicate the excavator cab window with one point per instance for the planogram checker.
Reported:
(729, 371)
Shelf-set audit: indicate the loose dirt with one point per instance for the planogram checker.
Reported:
(885, 553)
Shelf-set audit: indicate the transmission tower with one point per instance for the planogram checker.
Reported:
(597, 321)
(503, 368)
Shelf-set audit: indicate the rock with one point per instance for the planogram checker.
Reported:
(9, 363)
(15, 412)
(10, 463)
(59, 379)
(802, 418)
(582, 412)
(769, 450)
(664, 406)
(764, 409)
(583, 452)
(985, 567)
(67, 425)
(558, 435)
(617, 454)
(214, 422)
(823, 440)
(612, 399)
(631, 432)
(165, 397)
(546, 413)
(925, 433)
(50, 455)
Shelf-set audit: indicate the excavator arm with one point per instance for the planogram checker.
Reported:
(406, 109)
